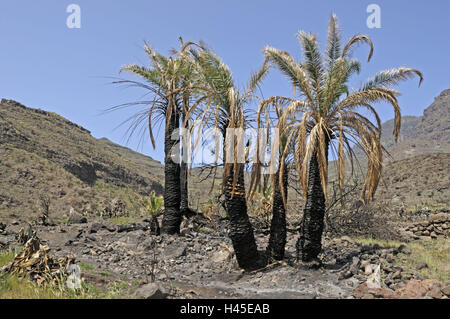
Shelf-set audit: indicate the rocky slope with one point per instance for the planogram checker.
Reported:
(43, 154)
(427, 134)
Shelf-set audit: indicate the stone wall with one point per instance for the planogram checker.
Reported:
(437, 226)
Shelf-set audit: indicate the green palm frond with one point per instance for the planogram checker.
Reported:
(388, 78)
(334, 41)
(292, 70)
(150, 75)
(312, 59)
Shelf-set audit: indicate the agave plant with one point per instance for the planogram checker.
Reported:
(329, 116)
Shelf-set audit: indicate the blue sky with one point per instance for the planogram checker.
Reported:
(44, 64)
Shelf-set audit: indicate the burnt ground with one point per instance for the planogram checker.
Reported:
(199, 263)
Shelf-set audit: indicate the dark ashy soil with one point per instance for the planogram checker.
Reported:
(200, 263)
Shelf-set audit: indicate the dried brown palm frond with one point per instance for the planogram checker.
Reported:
(356, 40)
(281, 143)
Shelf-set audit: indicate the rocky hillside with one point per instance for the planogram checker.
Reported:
(43, 154)
(427, 134)
(417, 182)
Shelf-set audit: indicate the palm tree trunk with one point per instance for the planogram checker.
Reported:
(172, 186)
(241, 230)
(184, 205)
(277, 240)
(309, 245)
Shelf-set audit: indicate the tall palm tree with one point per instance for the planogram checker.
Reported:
(329, 116)
(171, 81)
(275, 249)
(227, 110)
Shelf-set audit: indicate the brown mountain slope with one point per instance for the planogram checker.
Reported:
(418, 182)
(427, 134)
(41, 153)
(418, 174)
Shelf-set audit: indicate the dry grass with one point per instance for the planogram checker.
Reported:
(435, 253)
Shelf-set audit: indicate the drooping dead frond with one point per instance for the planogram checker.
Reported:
(282, 167)
(300, 150)
(322, 157)
(356, 40)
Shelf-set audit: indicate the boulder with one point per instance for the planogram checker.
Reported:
(431, 284)
(76, 218)
(354, 267)
(374, 280)
(151, 291)
(220, 256)
(363, 291)
(175, 251)
(3, 241)
(439, 218)
(404, 250)
(422, 265)
(413, 289)
(434, 293)
(446, 290)
(95, 227)
(130, 227)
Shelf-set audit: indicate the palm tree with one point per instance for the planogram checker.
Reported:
(277, 241)
(227, 110)
(328, 116)
(172, 84)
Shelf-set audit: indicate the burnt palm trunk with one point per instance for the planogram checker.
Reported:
(172, 186)
(184, 204)
(241, 230)
(309, 245)
(277, 240)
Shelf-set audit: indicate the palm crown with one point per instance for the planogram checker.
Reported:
(226, 105)
(327, 111)
(173, 84)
